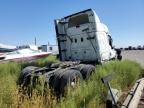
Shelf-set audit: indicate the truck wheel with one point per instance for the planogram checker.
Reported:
(119, 57)
(118, 51)
(86, 70)
(54, 81)
(24, 78)
(71, 78)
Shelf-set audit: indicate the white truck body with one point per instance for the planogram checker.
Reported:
(82, 37)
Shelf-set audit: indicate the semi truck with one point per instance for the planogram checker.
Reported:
(83, 41)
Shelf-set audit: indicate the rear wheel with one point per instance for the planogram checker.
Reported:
(119, 56)
(69, 80)
(54, 81)
(24, 78)
(86, 70)
(62, 79)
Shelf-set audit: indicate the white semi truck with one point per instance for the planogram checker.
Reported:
(81, 36)
(82, 40)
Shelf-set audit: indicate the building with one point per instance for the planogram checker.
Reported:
(49, 48)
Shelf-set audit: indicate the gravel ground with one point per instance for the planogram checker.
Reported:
(134, 55)
(138, 56)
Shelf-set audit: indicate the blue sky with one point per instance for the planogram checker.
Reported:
(22, 20)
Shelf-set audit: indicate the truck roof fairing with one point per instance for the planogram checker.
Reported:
(91, 10)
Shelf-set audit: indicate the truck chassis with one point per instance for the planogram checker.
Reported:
(56, 76)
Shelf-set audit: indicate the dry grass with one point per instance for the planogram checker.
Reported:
(90, 94)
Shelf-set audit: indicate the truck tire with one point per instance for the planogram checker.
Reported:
(54, 81)
(119, 57)
(118, 51)
(86, 70)
(24, 78)
(70, 78)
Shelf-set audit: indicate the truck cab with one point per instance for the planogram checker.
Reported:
(82, 37)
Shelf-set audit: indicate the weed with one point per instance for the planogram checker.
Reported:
(90, 93)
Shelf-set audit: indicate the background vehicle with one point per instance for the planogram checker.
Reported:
(23, 53)
(82, 40)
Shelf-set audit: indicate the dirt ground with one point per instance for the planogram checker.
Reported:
(134, 55)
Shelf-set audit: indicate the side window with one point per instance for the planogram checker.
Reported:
(78, 20)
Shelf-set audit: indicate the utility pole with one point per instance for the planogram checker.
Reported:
(35, 41)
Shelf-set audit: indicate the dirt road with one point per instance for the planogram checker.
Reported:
(134, 55)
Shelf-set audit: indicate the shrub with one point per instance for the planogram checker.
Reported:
(41, 62)
(90, 93)
(8, 77)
